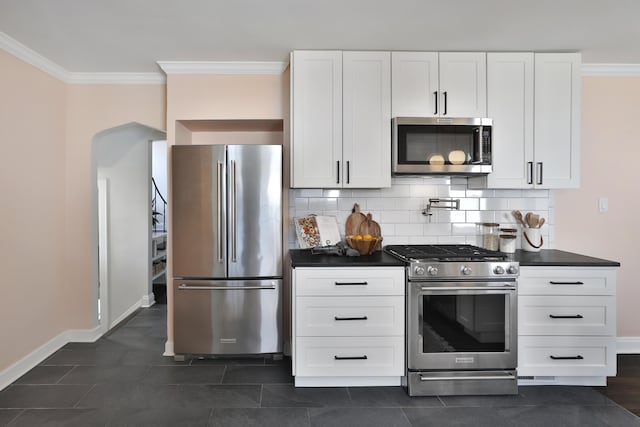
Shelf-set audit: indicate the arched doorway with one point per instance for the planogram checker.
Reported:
(122, 165)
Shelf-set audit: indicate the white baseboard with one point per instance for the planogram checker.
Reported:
(580, 381)
(347, 381)
(37, 356)
(628, 345)
(128, 312)
(85, 335)
(168, 349)
(148, 300)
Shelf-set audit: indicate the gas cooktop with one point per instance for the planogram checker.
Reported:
(443, 253)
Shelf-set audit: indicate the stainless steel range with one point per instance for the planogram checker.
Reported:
(461, 320)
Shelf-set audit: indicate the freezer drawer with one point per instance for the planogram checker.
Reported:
(227, 317)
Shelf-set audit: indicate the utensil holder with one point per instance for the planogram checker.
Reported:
(531, 239)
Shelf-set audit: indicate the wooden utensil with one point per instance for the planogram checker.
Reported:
(518, 217)
(533, 220)
(352, 225)
(540, 222)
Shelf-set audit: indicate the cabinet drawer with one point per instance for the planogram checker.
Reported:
(572, 356)
(350, 316)
(566, 281)
(349, 281)
(350, 356)
(566, 315)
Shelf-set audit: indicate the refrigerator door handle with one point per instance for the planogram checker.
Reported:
(186, 287)
(219, 216)
(233, 211)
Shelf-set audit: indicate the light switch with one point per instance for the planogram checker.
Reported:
(603, 204)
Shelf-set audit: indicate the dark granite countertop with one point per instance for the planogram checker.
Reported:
(304, 258)
(544, 258)
(557, 258)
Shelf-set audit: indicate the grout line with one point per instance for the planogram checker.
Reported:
(16, 417)
(83, 396)
(67, 373)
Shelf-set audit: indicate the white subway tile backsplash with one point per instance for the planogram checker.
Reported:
(398, 209)
(308, 192)
(346, 204)
(449, 216)
(423, 240)
(377, 203)
(458, 229)
(493, 204)
(395, 216)
(469, 204)
(480, 216)
(323, 204)
(375, 192)
(300, 203)
(409, 229)
(438, 229)
(396, 191)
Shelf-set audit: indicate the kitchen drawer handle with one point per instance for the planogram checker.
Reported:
(350, 318)
(566, 283)
(351, 357)
(578, 357)
(575, 316)
(351, 283)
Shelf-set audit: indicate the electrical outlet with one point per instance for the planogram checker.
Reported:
(603, 204)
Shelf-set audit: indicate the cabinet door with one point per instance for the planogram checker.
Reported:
(316, 110)
(510, 105)
(557, 121)
(414, 84)
(366, 138)
(463, 84)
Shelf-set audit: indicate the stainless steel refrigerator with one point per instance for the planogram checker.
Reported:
(227, 248)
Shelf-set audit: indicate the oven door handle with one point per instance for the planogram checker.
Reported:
(469, 288)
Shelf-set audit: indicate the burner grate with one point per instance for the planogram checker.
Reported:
(444, 252)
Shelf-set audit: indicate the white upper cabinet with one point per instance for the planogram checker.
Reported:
(366, 119)
(534, 101)
(414, 84)
(510, 105)
(316, 103)
(557, 120)
(446, 84)
(341, 121)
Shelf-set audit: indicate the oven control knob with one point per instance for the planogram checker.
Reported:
(512, 269)
(419, 270)
(498, 270)
(433, 271)
(466, 271)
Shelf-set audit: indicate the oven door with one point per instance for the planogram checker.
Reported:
(462, 326)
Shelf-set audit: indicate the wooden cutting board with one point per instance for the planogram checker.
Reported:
(369, 226)
(352, 225)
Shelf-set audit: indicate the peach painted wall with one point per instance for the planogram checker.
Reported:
(91, 109)
(32, 209)
(610, 153)
(217, 97)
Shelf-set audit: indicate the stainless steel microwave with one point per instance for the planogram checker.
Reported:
(438, 145)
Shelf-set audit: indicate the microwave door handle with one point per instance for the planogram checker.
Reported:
(478, 154)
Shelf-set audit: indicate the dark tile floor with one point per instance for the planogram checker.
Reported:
(123, 380)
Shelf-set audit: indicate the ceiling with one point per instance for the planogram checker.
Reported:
(131, 35)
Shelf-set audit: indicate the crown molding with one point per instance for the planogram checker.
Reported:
(611, 70)
(116, 78)
(32, 57)
(222, 67)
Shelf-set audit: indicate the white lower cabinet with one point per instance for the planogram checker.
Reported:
(348, 326)
(566, 325)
